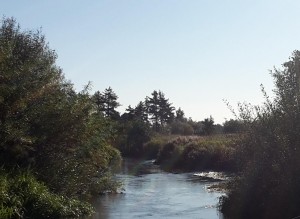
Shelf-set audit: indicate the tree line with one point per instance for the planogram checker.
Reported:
(63, 142)
(157, 112)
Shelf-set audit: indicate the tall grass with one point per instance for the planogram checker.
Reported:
(198, 153)
(22, 196)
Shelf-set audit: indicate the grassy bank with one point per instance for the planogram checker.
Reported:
(23, 196)
(182, 153)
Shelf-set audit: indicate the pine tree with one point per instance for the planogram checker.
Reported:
(106, 103)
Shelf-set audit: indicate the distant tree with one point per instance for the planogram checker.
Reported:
(140, 112)
(180, 115)
(152, 104)
(208, 125)
(166, 109)
(232, 126)
(137, 134)
(218, 129)
(98, 100)
(196, 125)
(107, 103)
(159, 109)
(128, 115)
(181, 128)
(137, 113)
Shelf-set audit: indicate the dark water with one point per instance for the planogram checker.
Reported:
(152, 193)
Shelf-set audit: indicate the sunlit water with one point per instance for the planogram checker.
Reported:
(152, 193)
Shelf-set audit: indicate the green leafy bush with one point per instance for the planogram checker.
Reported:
(22, 196)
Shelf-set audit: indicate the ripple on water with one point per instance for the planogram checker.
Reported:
(159, 195)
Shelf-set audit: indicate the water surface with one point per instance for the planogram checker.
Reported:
(152, 193)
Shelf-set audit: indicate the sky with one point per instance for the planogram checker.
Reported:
(197, 52)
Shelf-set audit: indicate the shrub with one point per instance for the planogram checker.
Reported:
(196, 153)
(181, 128)
(22, 196)
(169, 155)
(268, 186)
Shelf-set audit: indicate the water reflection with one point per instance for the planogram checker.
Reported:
(157, 195)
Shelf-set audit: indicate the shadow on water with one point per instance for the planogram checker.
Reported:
(152, 193)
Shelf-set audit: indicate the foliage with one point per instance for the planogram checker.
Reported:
(138, 113)
(198, 153)
(180, 115)
(106, 103)
(269, 153)
(208, 126)
(22, 196)
(45, 124)
(136, 133)
(233, 126)
(160, 110)
(181, 128)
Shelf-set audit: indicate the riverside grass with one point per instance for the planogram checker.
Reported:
(22, 196)
(189, 153)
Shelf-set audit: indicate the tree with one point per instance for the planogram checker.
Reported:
(180, 115)
(137, 113)
(140, 112)
(28, 78)
(160, 110)
(106, 103)
(232, 126)
(46, 126)
(152, 104)
(166, 109)
(98, 100)
(208, 125)
(269, 152)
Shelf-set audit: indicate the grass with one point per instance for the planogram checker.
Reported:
(22, 196)
(190, 153)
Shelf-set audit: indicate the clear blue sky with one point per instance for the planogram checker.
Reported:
(198, 52)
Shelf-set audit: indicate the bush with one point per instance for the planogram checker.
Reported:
(196, 153)
(22, 196)
(152, 148)
(169, 155)
(268, 186)
(181, 128)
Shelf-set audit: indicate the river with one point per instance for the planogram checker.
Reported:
(151, 193)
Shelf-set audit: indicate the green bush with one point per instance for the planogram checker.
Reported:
(198, 153)
(207, 156)
(181, 128)
(151, 148)
(22, 196)
(268, 186)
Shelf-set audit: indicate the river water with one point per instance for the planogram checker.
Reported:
(152, 193)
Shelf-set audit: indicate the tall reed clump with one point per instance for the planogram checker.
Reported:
(269, 153)
(192, 153)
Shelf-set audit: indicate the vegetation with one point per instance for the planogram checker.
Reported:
(58, 146)
(268, 186)
(47, 127)
(198, 153)
(22, 196)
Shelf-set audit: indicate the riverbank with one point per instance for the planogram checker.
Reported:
(193, 153)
